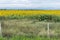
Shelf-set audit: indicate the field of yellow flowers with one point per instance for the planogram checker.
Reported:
(28, 12)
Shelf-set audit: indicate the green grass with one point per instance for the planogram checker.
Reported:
(45, 17)
(28, 38)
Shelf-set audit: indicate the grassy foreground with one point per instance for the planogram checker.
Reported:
(29, 38)
(29, 27)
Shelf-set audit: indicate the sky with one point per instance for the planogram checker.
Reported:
(29, 4)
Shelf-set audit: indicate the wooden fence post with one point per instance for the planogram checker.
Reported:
(48, 30)
(0, 30)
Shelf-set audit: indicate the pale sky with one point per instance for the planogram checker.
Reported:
(30, 4)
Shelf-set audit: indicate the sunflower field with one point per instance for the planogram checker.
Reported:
(28, 12)
(41, 15)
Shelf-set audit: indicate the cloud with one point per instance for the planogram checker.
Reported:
(30, 4)
(13, 1)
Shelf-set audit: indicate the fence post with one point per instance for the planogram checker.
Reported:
(48, 30)
(0, 30)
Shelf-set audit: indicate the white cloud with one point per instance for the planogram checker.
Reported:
(30, 3)
(13, 1)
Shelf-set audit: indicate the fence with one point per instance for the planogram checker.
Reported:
(29, 28)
